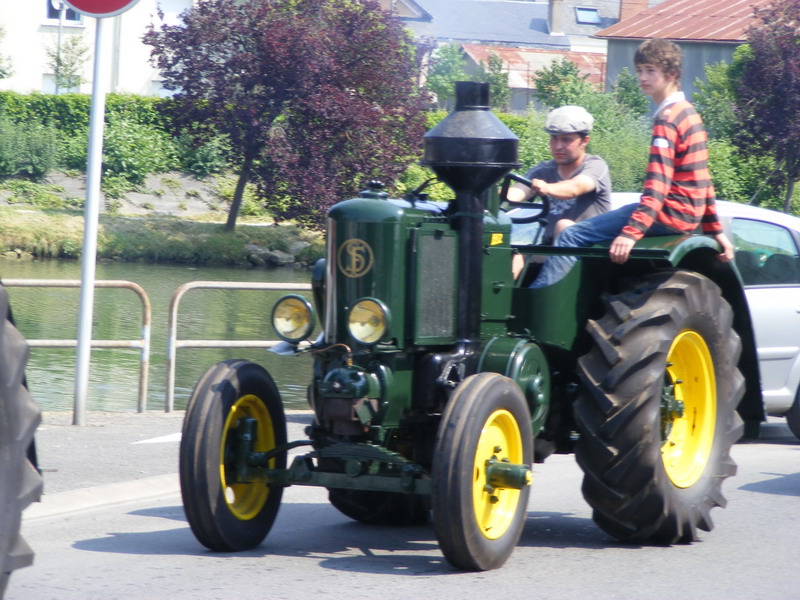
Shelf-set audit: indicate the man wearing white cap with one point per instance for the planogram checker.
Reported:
(577, 184)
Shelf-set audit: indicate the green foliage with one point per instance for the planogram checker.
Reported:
(5, 61)
(19, 191)
(627, 93)
(224, 189)
(133, 150)
(561, 83)
(67, 62)
(768, 91)
(497, 78)
(739, 176)
(715, 100)
(69, 113)
(27, 149)
(205, 157)
(447, 67)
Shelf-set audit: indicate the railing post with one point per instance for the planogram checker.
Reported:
(143, 343)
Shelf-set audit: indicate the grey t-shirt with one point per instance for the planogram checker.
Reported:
(582, 207)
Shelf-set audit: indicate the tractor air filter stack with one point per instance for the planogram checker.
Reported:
(470, 150)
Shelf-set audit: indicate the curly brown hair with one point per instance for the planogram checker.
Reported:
(664, 54)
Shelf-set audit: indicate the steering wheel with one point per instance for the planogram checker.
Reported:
(542, 205)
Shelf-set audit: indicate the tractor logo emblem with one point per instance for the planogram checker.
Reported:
(355, 258)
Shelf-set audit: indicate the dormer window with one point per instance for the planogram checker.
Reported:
(587, 15)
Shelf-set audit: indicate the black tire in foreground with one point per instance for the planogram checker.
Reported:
(20, 482)
(380, 508)
(659, 418)
(226, 516)
(478, 521)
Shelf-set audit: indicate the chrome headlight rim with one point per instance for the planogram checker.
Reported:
(382, 329)
(306, 311)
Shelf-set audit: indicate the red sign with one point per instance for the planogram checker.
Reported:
(100, 8)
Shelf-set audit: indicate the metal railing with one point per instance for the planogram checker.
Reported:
(173, 343)
(142, 343)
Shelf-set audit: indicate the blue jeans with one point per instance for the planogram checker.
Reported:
(600, 228)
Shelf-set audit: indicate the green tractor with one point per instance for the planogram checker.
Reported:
(20, 481)
(438, 379)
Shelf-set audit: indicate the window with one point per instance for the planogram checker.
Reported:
(53, 8)
(765, 253)
(587, 16)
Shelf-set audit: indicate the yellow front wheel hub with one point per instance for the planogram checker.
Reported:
(689, 407)
(495, 507)
(246, 500)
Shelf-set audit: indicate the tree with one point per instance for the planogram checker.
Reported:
(496, 76)
(715, 97)
(5, 61)
(67, 62)
(561, 83)
(447, 67)
(626, 91)
(316, 96)
(768, 96)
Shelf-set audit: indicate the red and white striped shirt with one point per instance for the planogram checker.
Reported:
(678, 192)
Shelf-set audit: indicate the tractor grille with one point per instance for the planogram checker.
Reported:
(435, 289)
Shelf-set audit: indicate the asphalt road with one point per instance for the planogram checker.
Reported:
(125, 536)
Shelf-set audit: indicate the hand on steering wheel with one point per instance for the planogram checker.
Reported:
(543, 203)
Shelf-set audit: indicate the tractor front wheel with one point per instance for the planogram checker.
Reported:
(659, 415)
(227, 514)
(481, 472)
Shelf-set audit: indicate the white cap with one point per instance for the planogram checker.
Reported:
(568, 119)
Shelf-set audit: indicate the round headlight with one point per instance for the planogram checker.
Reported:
(293, 318)
(367, 321)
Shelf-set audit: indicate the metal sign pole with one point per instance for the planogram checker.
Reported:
(91, 217)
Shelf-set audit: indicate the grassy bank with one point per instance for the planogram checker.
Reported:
(59, 234)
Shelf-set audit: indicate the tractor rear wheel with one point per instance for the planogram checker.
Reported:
(479, 516)
(380, 508)
(226, 515)
(20, 482)
(659, 416)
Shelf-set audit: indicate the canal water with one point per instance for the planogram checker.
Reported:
(52, 313)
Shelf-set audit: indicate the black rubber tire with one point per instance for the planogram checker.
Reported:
(222, 519)
(793, 416)
(20, 482)
(635, 496)
(486, 409)
(381, 508)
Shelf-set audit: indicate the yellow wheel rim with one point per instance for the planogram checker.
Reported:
(245, 500)
(495, 508)
(689, 407)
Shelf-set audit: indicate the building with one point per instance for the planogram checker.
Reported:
(34, 26)
(708, 31)
(526, 35)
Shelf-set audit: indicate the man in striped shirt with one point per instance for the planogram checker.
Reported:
(678, 195)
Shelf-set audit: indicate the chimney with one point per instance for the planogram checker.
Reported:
(555, 16)
(629, 8)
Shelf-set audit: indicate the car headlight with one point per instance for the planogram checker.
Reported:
(293, 318)
(368, 321)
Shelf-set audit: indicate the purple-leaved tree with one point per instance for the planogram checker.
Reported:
(316, 96)
(768, 100)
